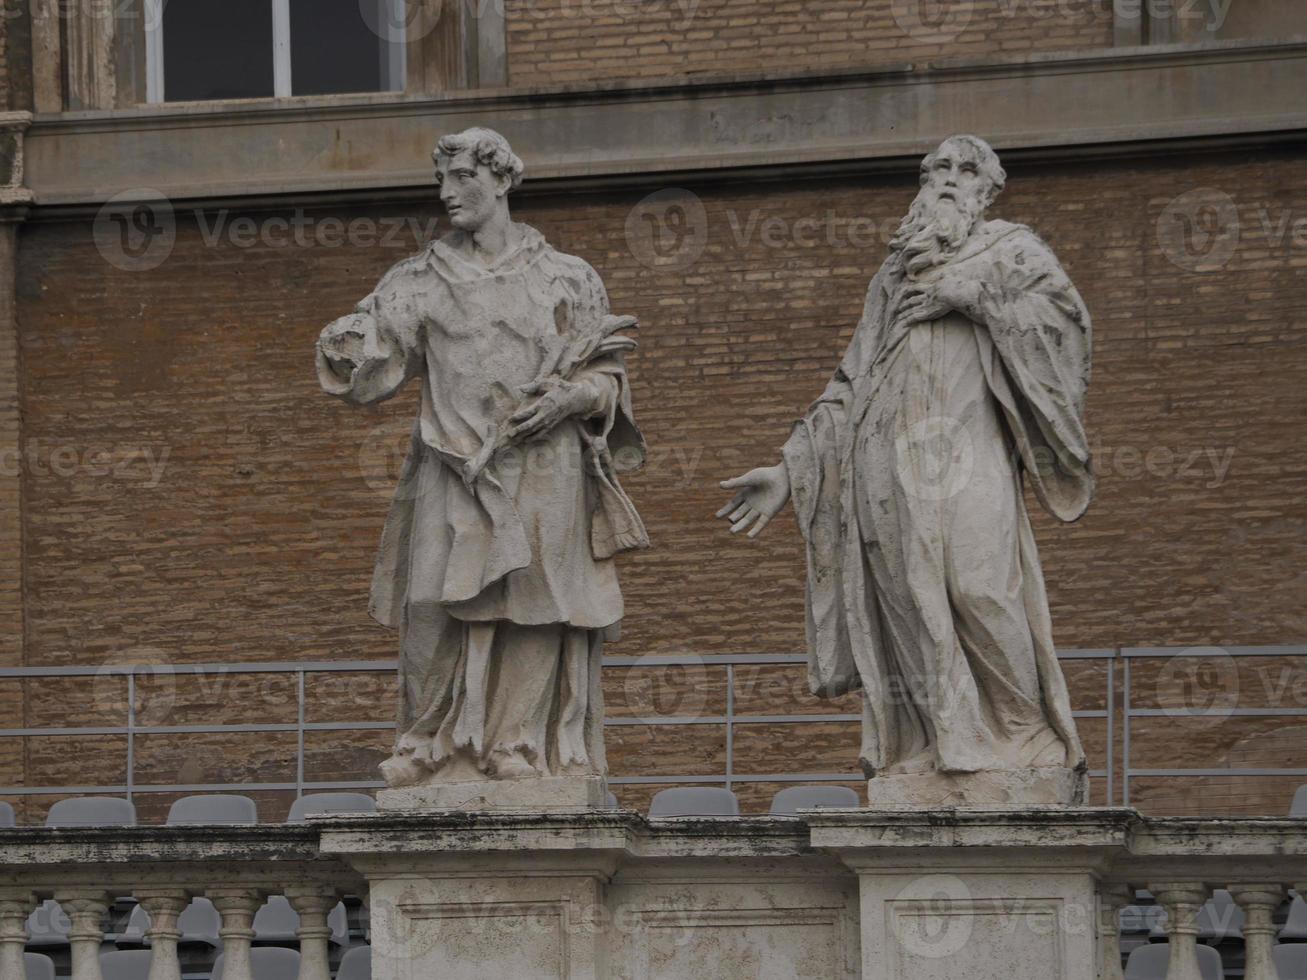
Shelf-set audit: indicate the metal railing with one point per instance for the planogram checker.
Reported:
(1211, 703)
(1204, 700)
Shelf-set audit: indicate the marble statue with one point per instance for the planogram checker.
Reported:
(496, 561)
(964, 379)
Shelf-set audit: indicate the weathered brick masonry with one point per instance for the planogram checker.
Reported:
(252, 537)
(564, 41)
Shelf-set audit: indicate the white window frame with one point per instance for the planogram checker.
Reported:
(395, 62)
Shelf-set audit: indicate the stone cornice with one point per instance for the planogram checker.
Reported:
(1032, 105)
(1114, 843)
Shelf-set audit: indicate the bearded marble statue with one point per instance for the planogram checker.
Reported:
(964, 380)
(496, 561)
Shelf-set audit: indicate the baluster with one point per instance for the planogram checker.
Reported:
(237, 907)
(1112, 899)
(86, 909)
(164, 906)
(1259, 902)
(16, 905)
(1182, 900)
(313, 903)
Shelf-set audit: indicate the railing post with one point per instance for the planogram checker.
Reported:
(16, 905)
(313, 903)
(237, 907)
(1259, 902)
(85, 908)
(1182, 900)
(164, 906)
(1112, 899)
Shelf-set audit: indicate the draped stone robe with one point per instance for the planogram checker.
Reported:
(502, 589)
(924, 586)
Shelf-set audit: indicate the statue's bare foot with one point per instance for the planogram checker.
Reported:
(411, 762)
(578, 767)
(403, 770)
(512, 765)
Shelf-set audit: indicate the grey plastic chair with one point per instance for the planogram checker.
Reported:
(1291, 961)
(1150, 963)
(125, 964)
(789, 801)
(133, 934)
(7, 815)
(92, 811)
(199, 923)
(1298, 808)
(276, 921)
(356, 964)
(695, 801)
(330, 803)
(48, 925)
(610, 801)
(213, 808)
(38, 966)
(266, 963)
(1295, 927)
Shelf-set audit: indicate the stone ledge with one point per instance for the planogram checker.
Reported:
(1099, 98)
(1172, 842)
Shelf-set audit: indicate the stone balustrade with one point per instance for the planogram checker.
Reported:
(966, 893)
(164, 868)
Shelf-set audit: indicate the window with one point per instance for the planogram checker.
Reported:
(249, 49)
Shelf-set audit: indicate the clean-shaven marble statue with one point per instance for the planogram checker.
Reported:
(496, 562)
(965, 377)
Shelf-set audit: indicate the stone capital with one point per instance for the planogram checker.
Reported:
(1182, 900)
(311, 900)
(21, 897)
(237, 907)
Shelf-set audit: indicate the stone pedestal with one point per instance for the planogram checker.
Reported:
(977, 893)
(599, 896)
(464, 896)
(545, 794)
(908, 894)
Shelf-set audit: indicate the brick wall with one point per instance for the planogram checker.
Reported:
(560, 41)
(11, 527)
(6, 22)
(193, 497)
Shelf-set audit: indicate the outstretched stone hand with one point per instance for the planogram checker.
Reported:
(760, 495)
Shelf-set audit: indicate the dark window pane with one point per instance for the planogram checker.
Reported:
(340, 46)
(217, 49)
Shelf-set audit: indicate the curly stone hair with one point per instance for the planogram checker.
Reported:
(489, 148)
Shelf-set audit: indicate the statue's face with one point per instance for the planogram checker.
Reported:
(469, 190)
(955, 176)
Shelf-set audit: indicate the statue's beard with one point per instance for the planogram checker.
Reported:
(934, 230)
